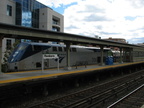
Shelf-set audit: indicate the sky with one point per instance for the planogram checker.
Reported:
(102, 18)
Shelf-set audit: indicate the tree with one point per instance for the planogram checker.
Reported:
(7, 55)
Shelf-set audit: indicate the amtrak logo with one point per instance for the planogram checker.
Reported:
(61, 57)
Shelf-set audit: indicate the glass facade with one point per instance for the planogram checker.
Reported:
(27, 13)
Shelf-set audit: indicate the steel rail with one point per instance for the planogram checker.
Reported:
(117, 90)
(112, 105)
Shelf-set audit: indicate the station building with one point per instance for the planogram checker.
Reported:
(121, 40)
(28, 13)
(117, 39)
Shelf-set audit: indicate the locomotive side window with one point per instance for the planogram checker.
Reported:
(60, 49)
(54, 48)
(65, 49)
(73, 49)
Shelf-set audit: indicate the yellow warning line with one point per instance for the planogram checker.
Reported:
(65, 73)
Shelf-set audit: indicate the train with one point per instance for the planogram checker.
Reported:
(28, 56)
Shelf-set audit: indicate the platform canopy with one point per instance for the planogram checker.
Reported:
(12, 31)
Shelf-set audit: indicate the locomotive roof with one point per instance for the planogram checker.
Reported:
(60, 45)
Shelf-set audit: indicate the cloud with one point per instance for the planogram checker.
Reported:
(110, 33)
(57, 3)
(106, 18)
(94, 17)
(72, 27)
(137, 3)
(136, 40)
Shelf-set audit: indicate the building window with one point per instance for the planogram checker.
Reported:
(8, 44)
(56, 29)
(9, 10)
(55, 22)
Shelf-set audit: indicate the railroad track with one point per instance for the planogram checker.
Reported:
(96, 96)
(134, 99)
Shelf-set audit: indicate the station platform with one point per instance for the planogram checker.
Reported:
(14, 77)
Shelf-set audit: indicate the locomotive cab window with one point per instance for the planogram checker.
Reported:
(37, 48)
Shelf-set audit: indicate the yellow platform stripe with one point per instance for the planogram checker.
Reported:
(65, 73)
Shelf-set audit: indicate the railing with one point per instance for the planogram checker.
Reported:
(81, 63)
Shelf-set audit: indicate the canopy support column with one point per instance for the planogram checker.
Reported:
(101, 49)
(68, 67)
(121, 61)
(131, 54)
(1, 53)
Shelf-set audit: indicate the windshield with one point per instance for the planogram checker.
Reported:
(17, 53)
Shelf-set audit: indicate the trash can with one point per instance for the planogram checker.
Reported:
(106, 61)
(111, 60)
